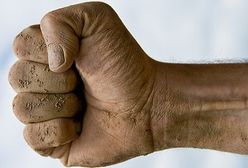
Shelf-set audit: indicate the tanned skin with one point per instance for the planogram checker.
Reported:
(90, 96)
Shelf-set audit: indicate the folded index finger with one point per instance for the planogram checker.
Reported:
(30, 45)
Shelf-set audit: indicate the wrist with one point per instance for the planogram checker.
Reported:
(178, 118)
(161, 107)
(194, 106)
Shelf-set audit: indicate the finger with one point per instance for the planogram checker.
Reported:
(52, 133)
(27, 76)
(61, 152)
(30, 45)
(31, 107)
(63, 29)
(62, 44)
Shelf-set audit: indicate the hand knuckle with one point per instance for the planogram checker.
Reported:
(49, 18)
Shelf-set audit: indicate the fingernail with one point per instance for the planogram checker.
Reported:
(55, 56)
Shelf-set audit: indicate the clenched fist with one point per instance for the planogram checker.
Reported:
(90, 96)
(116, 81)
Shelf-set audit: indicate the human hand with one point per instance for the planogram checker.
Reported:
(117, 79)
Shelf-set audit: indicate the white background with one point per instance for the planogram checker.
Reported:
(168, 30)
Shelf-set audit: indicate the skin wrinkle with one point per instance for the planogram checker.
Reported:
(58, 17)
(118, 140)
(123, 112)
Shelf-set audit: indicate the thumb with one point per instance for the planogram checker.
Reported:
(65, 28)
(61, 40)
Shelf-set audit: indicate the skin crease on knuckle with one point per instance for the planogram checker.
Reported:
(26, 76)
(31, 107)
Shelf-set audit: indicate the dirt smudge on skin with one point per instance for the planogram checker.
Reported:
(36, 104)
(60, 101)
(46, 133)
(24, 83)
